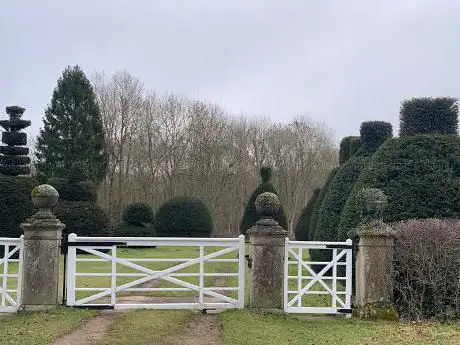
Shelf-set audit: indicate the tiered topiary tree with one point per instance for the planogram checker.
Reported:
(15, 189)
(137, 221)
(302, 228)
(77, 207)
(250, 215)
(373, 134)
(419, 171)
(183, 217)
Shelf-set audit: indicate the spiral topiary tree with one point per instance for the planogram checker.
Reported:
(302, 229)
(419, 171)
(250, 215)
(373, 134)
(183, 217)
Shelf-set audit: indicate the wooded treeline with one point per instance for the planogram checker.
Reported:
(161, 146)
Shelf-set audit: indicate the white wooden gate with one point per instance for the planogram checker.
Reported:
(317, 287)
(11, 274)
(127, 276)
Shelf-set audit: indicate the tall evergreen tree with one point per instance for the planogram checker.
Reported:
(72, 129)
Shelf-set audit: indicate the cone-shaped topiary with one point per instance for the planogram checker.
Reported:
(420, 174)
(302, 228)
(250, 215)
(318, 203)
(183, 217)
(348, 147)
(373, 134)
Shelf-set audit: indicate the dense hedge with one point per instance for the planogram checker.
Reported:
(373, 134)
(302, 229)
(82, 218)
(183, 217)
(420, 175)
(250, 215)
(348, 147)
(15, 203)
(318, 203)
(429, 116)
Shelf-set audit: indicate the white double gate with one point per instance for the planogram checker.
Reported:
(318, 287)
(11, 274)
(155, 281)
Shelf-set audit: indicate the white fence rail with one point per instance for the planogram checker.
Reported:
(316, 287)
(11, 274)
(133, 280)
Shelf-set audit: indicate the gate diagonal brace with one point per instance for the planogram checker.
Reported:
(155, 274)
(316, 277)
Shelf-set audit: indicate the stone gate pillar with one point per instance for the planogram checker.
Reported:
(267, 240)
(42, 240)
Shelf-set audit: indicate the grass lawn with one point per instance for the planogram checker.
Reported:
(248, 328)
(40, 328)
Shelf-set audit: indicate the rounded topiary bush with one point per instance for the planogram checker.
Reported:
(127, 230)
(428, 115)
(373, 134)
(420, 175)
(138, 214)
(348, 147)
(82, 218)
(318, 203)
(183, 217)
(250, 216)
(302, 228)
(16, 204)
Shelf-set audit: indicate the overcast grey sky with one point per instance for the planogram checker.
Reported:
(341, 62)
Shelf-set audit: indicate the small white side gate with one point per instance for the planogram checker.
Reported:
(317, 287)
(11, 274)
(155, 272)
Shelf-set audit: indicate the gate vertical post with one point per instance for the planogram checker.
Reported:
(42, 240)
(267, 240)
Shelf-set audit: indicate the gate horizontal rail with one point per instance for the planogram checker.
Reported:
(208, 296)
(11, 270)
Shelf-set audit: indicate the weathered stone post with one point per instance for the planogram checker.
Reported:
(267, 248)
(374, 260)
(42, 239)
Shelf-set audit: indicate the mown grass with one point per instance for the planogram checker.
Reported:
(40, 328)
(250, 328)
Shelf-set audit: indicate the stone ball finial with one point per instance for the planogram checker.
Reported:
(372, 202)
(267, 205)
(44, 196)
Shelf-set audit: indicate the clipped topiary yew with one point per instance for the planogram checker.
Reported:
(137, 220)
(373, 134)
(250, 215)
(302, 229)
(183, 217)
(419, 173)
(348, 147)
(318, 203)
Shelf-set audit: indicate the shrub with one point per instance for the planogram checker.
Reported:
(348, 147)
(183, 217)
(16, 203)
(302, 228)
(127, 230)
(82, 218)
(138, 214)
(250, 216)
(429, 116)
(373, 134)
(419, 174)
(426, 270)
(318, 203)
